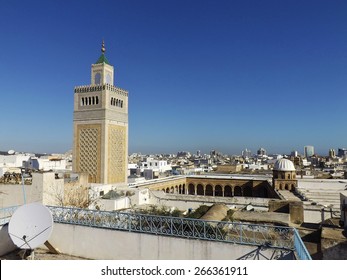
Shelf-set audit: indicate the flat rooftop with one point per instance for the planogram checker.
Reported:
(324, 192)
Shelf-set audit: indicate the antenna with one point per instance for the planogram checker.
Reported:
(22, 171)
(30, 226)
(11, 152)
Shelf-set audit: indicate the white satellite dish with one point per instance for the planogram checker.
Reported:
(10, 152)
(30, 226)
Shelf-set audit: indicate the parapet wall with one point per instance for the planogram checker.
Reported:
(106, 244)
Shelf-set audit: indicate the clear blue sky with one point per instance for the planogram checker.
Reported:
(201, 75)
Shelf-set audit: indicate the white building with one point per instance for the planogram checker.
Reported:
(15, 160)
(45, 164)
(12, 163)
(256, 166)
(305, 162)
(156, 165)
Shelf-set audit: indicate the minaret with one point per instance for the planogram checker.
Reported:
(100, 140)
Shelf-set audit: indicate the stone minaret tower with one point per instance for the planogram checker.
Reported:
(100, 140)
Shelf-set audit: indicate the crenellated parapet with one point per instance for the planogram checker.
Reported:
(95, 88)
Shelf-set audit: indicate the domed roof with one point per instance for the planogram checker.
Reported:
(284, 165)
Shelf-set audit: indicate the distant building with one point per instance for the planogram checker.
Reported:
(149, 174)
(11, 163)
(332, 153)
(256, 166)
(183, 154)
(156, 165)
(308, 151)
(100, 141)
(298, 161)
(246, 153)
(45, 164)
(341, 152)
(202, 161)
(133, 169)
(294, 153)
(13, 160)
(261, 152)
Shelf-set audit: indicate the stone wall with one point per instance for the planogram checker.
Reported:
(334, 244)
(294, 208)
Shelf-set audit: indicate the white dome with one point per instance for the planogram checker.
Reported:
(284, 165)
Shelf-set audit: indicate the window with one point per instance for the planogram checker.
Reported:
(97, 78)
(108, 79)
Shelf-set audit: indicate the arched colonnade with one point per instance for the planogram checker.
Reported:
(207, 189)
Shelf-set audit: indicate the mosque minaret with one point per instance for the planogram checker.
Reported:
(100, 123)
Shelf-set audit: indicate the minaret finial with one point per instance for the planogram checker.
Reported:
(103, 47)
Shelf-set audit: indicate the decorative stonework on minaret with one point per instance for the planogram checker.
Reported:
(100, 141)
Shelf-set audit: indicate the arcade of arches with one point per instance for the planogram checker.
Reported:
(218, 187)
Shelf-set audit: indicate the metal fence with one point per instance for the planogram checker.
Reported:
(240, 233)
(300, 248)
(6, 214)
(230, 232)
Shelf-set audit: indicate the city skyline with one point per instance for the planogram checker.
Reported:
(201, 75)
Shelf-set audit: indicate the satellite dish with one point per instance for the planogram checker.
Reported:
(10, 152)
(30, 226)
(249, 207)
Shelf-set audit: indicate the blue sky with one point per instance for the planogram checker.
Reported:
(201, 75)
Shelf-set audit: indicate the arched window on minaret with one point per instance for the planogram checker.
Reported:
(108, 79)
(97, 78)
(97, 99)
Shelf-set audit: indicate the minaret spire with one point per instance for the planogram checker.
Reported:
(102, 58)
(103, 50)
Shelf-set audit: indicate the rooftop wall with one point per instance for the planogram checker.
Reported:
(96, 243)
